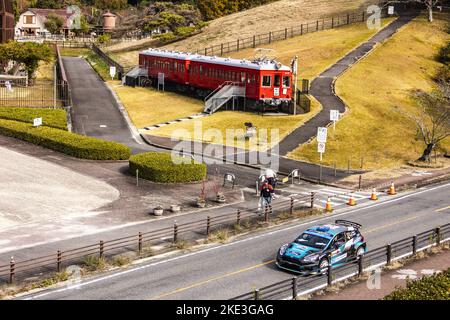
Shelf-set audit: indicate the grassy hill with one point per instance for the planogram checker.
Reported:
(385, 79)
(273, 16)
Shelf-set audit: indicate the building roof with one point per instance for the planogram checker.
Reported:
(63, 13)
(248, 64)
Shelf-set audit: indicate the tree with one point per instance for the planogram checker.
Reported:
(27, 53)
(54, 23)
(430, 4)
(433, 120)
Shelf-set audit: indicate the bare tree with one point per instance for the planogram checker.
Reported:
(433, 120)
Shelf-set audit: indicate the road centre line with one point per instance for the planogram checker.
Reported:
(443, 209)
(118, 274)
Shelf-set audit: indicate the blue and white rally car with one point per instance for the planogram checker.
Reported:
(320, 246)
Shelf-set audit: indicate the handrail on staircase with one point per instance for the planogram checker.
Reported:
(221, 86)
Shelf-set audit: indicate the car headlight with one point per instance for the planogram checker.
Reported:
(283, 249)
(311, 257)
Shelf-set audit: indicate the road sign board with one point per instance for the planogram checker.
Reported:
(37, 122)
(321, 147)
(391, 10)
(112, 71)
(334, 115)
(322, 134)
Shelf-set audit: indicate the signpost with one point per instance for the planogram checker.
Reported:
(391, 10)
(322, 134)
(112, 72)
(37, 122)
(8, 86)
(161, 80)
(321, 149)
(334, 116)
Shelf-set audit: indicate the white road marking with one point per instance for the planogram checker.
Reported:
(118, 274)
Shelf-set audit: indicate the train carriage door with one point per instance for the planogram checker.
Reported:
(276, 85)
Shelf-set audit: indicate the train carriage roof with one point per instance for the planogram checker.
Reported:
(256, 65)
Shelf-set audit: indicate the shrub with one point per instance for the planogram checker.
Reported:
(55, 118)
(444, 54)
(65, 142)
(435, 287)
(159, 167)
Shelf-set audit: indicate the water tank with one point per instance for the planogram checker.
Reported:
(109, 21)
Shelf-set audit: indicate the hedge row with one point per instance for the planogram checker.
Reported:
(55, 118)
(65, 142)
(435, 287)
(161, 167)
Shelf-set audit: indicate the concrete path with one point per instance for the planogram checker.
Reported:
(322, 88)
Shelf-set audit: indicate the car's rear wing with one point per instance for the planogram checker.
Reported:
(348, 223)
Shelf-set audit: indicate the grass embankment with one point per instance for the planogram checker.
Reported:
(385, 79)
(55, 118)
(435, 287)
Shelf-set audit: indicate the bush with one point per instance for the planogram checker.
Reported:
(65, 142)
(159, 167)
(55, 118)
(444, 54)
(435, 287)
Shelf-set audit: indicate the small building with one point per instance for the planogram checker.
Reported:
(6, 21)
(32, 22)
(109, 21)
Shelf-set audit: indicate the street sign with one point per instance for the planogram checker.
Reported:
(112, 71)
(334, 115)
(391, 10)
(8, 86)
(37, 122)
(322, 134)
(321, 147)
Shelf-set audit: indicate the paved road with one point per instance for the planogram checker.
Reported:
(322, 88)
(225, 271)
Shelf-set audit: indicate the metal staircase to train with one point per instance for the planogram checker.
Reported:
(222, 95)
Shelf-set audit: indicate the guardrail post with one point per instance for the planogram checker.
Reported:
(388, 254)
(175, 232)
(58, 261)
(285, 33)
(266, 213)
(360, 265)
(332, 23)
(237, 45)
(312, 200)
(140, 242)
(438, 236)
(208, 225)
(301, 29)
(12, 268)
(221, 49)
(101, 245)
(317, 25)
(415, 245)
(294, 288)
(254, 41)
(238, 217)
(329, 275)
(256, 294)
(291, 209)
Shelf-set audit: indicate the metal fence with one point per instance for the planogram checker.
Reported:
(268, 38)
(135, 242)
(300, 286)
(109, 60)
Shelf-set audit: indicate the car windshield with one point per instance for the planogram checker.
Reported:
(312, 241)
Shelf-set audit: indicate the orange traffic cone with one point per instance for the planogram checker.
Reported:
(373, 196)
(328, 206)
(351, 201)
(391, 190)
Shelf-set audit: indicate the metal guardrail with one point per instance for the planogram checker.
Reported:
(109, 60)
(56, 261)
(297, 286)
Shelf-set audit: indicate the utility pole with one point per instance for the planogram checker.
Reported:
(295, 72)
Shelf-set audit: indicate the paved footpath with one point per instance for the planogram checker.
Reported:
(374, 289)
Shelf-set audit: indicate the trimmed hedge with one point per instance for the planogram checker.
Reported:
(435, 287)
(159, 167)
(55, 118)
(65, 142)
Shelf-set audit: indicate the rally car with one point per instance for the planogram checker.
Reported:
(320, 246)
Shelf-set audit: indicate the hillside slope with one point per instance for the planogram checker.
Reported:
(273, 16)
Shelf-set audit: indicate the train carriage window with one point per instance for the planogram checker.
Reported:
(276, 81)
(242, 76)
(201, 69)
(266, 81)
(286, 82)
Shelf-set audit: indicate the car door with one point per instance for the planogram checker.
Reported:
(338, 252)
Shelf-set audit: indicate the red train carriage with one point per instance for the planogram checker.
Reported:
(265, 81)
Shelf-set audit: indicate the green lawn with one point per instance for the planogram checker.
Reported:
(372, 88)
(55, 118)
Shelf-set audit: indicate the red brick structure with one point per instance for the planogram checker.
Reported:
(6, 21)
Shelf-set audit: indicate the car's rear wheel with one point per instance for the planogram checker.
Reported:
(323, 266)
